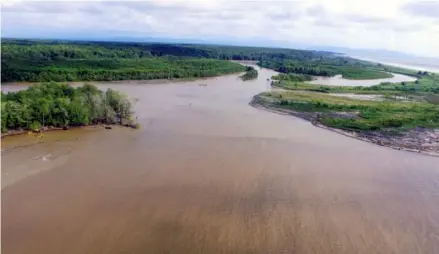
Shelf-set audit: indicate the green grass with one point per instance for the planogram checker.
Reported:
(426, 84)
(366, 115)
(302, 86)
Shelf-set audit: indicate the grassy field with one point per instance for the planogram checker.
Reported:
(358, 115)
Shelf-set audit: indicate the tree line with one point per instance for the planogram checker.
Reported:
(55, 49)
(46, 60)
(61, 105)
(329, 66)
(293, 77)
(108, 70)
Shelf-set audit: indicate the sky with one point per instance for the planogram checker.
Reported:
(402, 25)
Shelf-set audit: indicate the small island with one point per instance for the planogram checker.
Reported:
(250, 73)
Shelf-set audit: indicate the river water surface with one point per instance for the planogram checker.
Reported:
(338, 80)
(207, 173)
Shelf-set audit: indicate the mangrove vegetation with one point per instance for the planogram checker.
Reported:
(41, 61)
(61, 105)
(250, 73)
(349, 68)
(48, 60)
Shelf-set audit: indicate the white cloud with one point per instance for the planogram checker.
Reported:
(401, 25)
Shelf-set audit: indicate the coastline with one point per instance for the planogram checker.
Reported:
(257, 103)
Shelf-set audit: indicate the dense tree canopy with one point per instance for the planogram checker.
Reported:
(293, 77)
(114, 69)
(52, 50)
(329, 66)
(36, 61)
(60, 105)
(44, 60)
(250, 73)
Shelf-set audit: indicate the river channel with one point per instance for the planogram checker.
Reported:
(338, 80)
(207, 173)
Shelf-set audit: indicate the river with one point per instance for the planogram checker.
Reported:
(338, 80)
(207, 173)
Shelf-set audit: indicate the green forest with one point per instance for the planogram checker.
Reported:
(61, 105)
(48, 60)
(55, 49)
(349, 68)
(45, 60)
(73, 61)
(292, 77)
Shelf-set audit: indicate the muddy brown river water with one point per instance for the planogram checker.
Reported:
(207, 173)
(338, 80)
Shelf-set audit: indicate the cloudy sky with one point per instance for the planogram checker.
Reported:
(402, 25)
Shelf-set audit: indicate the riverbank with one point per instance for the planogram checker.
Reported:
(53, 106)
(42, 130)
(426, 84)
(16, 86)
(418, 140)
(339, 80)
(25, 84)
(203, 173)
